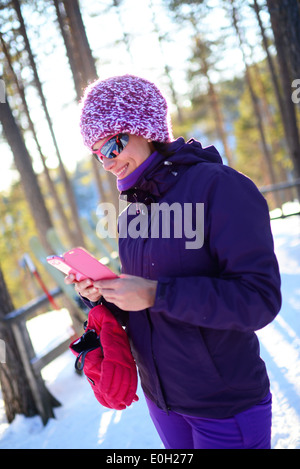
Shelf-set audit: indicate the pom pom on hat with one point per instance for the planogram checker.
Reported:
(126, 104)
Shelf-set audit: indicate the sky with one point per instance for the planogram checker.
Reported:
(103, 29)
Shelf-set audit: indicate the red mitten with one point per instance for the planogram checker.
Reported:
(106, 360)
(118, 381)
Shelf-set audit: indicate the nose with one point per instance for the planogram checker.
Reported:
(108, 163)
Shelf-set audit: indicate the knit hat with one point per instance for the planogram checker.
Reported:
(127, 104)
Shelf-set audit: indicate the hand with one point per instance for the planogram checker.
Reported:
(128, 292)
(85, 288)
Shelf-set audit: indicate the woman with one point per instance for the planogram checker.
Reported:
(199, 271)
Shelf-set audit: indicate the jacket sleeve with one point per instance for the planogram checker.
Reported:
(244, 294)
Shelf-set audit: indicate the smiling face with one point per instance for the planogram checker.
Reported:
(134, 154)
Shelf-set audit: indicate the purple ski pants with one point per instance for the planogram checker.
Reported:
(250, 429)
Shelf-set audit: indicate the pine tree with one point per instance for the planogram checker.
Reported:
(285, 21)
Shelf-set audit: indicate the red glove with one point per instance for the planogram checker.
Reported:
(106, 360)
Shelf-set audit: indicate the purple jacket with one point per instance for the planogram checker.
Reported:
(196, 349)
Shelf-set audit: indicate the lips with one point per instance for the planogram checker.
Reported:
(121, 173)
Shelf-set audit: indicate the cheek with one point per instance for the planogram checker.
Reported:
(133, 159)
(143, 154)
(136, 154)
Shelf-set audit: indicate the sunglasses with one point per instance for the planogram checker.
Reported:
(112, 147)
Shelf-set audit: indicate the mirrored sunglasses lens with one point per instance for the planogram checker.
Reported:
(114, 146)
(124, 138)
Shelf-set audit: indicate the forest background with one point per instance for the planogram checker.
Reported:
(230, 70)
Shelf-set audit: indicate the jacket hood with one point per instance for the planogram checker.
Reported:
(165, 169)
(208, 154)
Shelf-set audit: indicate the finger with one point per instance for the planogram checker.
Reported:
(107, 284)
(83, 290)
(111, 293)
(86, 283)
(69, 279)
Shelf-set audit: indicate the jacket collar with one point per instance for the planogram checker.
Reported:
(165, 170)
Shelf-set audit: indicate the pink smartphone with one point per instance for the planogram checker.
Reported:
(82, 264)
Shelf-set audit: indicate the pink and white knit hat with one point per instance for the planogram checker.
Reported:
(127, 104)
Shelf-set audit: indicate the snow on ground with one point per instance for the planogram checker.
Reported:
(280, 340)
(83, 424)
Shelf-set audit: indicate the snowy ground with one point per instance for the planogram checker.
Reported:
(82, 423)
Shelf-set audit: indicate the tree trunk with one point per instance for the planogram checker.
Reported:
(201, 53)
(278, 95)
(272, 68)
(51, 186)
(77, 235)
(16, 392)
(84, 72)
(72, 52)
(15, 389)
(267, 156)
(279, 12)
(21, 394)
(29, 180)
(215, 104)
(276, 144)
(88, 67)
(166, 67)
(291, 21)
